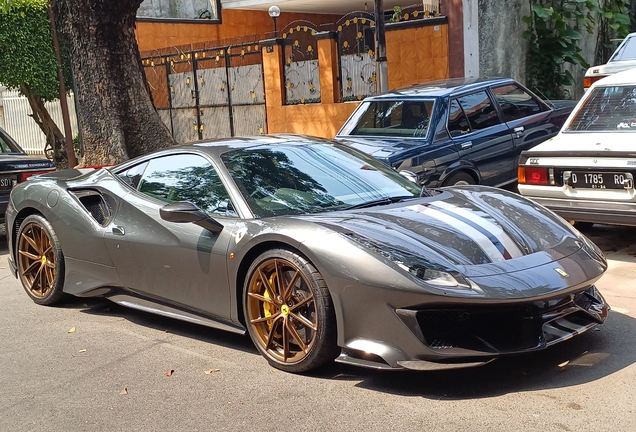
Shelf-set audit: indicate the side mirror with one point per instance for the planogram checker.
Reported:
(186, 212)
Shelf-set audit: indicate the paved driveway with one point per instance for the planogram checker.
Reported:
(53, 380)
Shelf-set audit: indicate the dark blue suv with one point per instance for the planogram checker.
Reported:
(458, 131)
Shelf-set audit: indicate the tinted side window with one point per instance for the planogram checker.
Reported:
(457, 121)
(132, 175)
(186, 177)
(515, 102)
(480, 110)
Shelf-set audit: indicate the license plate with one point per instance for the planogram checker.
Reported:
(597, 180)
(6, 183)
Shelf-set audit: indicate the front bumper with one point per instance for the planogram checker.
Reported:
(473, 335)
(520, 311)
(607, 212)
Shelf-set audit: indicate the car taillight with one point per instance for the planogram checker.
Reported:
(588, 81)
(23, 176)
(536, 176)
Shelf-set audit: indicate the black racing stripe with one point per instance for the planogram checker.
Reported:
(481, 229)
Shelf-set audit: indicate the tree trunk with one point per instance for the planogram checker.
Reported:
(116, 115)
(54, 137)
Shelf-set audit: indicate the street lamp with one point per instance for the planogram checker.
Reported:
(274, 12)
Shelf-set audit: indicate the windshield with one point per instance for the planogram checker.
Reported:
(607, 109)
(291, 179)
(627, 51)
(395, 118)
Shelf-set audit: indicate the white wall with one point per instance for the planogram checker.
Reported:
(15, 119)
(471, 38)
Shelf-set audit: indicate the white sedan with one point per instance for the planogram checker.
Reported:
(624, 58)
(586, 173)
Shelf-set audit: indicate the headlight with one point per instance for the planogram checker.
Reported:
(431, 273)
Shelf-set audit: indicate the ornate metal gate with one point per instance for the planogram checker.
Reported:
(209, 93)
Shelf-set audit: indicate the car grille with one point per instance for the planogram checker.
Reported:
(497, 330)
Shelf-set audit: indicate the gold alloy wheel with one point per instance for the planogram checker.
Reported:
(36, 260)
(281, 309)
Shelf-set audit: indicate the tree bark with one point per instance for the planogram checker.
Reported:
(54, 136)
(116, 115)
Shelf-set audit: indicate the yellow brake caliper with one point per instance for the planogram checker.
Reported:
(268, 308)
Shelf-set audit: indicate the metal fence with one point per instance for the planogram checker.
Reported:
(356, 47)
(209, 92)
(15, 118)
(302, 73)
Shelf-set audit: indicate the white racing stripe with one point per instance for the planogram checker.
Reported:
(489, 226)
(484, 242)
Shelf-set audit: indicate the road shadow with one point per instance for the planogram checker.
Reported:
(104, 307)
(598, 353)
(614, 240)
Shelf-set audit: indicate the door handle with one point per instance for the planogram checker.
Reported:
(519, 131)
(467, 145)
(119, 231)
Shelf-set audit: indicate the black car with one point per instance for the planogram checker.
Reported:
(15, 167)
(455, 132)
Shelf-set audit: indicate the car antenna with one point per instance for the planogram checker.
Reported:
(545, 99)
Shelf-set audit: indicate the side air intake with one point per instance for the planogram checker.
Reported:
(96, 204)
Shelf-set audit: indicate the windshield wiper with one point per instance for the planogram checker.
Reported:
(379, 202)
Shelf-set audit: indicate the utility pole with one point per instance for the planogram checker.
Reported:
(68, 132)
(380, 47)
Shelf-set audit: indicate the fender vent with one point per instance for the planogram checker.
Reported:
(96, 204)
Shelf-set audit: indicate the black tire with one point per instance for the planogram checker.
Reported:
(459, 179)
(583, 226)
(40, 261)
(293, 325)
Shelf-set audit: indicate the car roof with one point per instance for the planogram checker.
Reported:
(441, 88)
(220, 146)
(621, 78)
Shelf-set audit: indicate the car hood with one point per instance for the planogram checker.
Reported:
(588, 142)
(385, 149)
(475, 230)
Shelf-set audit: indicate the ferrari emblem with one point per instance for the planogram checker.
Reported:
(284, 310)
(561, 272)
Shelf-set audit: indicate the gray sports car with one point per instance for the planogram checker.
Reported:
(317, 250)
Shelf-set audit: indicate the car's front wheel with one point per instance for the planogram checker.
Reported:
(289, 313)
(40, 261)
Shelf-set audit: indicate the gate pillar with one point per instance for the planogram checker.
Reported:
(328, 61)
(272, 50)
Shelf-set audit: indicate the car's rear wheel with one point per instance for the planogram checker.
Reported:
(459, 179)
(40, 261)
(289, 313)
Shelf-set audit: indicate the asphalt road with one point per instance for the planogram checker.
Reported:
(53, 380)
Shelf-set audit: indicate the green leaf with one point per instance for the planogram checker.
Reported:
(573, 34)
(543, 13)
(615, 26)
(621, 19)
